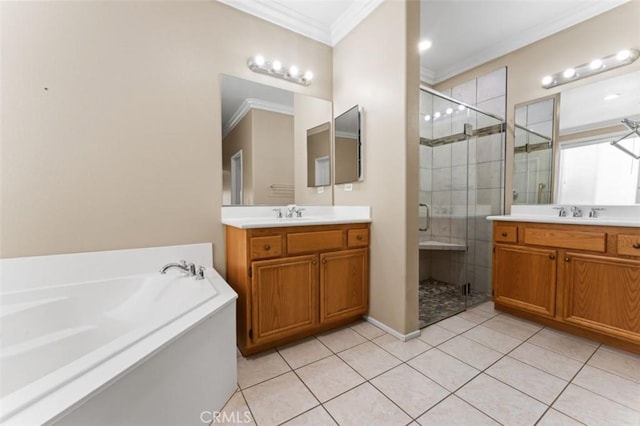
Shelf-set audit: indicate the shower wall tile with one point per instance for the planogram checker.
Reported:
(483, 229)
(492, 85)
(482, 277)
(442, 156)
(495, 106)
(458, 229)
(459, 178)
(425, 180)
(539, 112)
(489, 175)
(484, 253)
(465, 92)
(424, 197)
(490, 148)
(459, 153)
(473, 144)
(488, 201)
(458, 120)
(442, 127)
(441, 199)
(459, 201)
(544, 128)
(441, 228)
(426, 155)
(441, 179)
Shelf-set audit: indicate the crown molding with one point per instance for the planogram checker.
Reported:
(351, 17)
(427, 75)
(249, 104)
(527, 37)
(282, 16)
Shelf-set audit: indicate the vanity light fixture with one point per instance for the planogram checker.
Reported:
(275, 69)
(449, 111)
(596, 66)
(612, 96)
(424, 45)
(427, 117)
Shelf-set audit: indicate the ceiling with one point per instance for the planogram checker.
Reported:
(465, 33)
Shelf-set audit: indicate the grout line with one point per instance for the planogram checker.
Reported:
(253, 417)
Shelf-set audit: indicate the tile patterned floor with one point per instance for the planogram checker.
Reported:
(479, 367)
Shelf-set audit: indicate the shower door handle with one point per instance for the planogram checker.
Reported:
(427, 219)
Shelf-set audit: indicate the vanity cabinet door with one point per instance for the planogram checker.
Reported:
(284, 296)
(525, 278)
(344, 284)
(603, 293)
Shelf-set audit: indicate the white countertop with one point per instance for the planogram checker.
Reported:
(611, 215)
(245, 217)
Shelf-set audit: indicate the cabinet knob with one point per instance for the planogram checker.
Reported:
(552, 256)
(504, 234)
(267, 247)
(636, 246)
(359, 238)
(314, 262)
(324, 261)
(567, 259)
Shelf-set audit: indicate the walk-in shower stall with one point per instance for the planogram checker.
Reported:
(462, 152)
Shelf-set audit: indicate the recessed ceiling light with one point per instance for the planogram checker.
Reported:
(424, 45)
(612, 96)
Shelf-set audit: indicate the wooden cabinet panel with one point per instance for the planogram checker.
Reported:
(603, 293)
(525, 278)
(264, 247)
(343, 284)
(357, 238)
(284, 297)
(505, 234)
(629, 245)
(570, 239)
(304, 242)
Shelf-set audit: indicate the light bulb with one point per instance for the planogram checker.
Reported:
(276, 65)
(623, 55)
(546, 80)
(293, 71)
(424, 45)
(612, 96)
(259, 60)
(569, 72)
(427, 117)
(436, 115)
(461, 107)
(596, 64)
(308, 75)
(449, 110)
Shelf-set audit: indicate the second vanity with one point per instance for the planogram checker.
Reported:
(580, 275)
(296, 276)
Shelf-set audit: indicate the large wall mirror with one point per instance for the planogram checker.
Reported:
(348, 146)
(319, 155)
(593, 155)
(261, 141)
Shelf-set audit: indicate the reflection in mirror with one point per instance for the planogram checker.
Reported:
(592, 169)
(319, 155)
(348, 146)
(532, 168)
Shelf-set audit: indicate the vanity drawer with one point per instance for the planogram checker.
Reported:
(629, 245)
(564, 238)
(262, 247)
(301, 242)
(505, 234)
(357, 237)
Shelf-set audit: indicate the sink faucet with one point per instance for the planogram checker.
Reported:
(594, 211)
(576, 211)
(561, 211)
(292, 210)
(190, 268)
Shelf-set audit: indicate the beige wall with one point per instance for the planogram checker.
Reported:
(308, 113)
(376, 67)
(273, 157)
(123, 149)
(600, 36)
(318, 146)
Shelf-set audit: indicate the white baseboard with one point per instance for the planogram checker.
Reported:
(391, 331)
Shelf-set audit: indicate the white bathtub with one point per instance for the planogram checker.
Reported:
(71, 353)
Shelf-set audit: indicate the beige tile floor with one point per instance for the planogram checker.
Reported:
(480, 367)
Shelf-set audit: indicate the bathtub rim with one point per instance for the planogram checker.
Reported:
(98, 375)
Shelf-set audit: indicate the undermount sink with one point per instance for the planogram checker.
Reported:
(578, 215)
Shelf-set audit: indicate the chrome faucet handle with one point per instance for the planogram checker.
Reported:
(562, 212)
(192, 269)
(577, 212)
(200, 273)
(278, 213)
(299, 212)
(594, 211)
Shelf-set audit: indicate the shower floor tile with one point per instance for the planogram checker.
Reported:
(440, 300)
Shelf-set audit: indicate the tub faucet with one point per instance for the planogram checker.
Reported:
(183, 266)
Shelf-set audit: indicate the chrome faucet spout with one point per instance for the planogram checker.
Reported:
(190, 268)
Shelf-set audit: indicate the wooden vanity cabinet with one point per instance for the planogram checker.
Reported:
(296, 281)
(579, 278)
